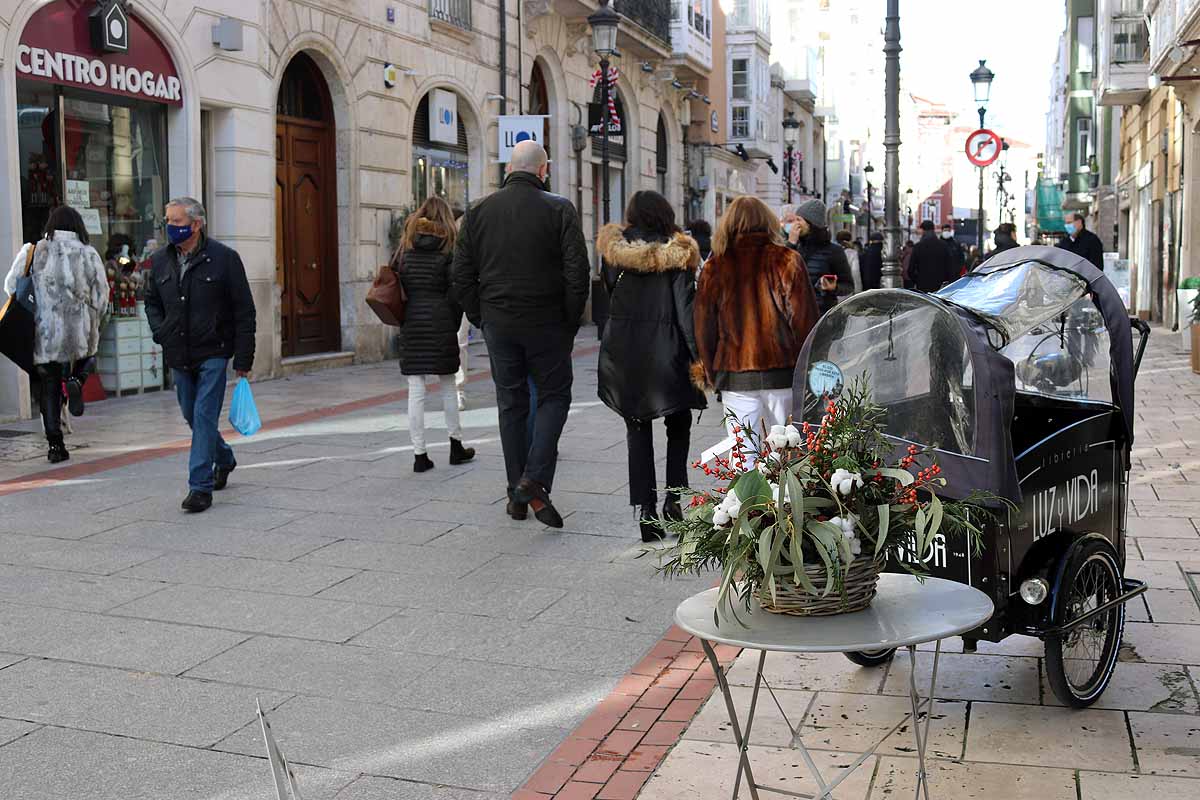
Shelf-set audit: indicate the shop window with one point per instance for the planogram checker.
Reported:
(539, 101)
(1083, 141)
(37, 139)
(440, 169)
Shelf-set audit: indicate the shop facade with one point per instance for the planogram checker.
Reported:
(308, 132)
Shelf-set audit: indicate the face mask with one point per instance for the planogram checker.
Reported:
(178, 234)
(947, 234)
(787, 229)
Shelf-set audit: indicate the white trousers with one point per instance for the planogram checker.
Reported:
(753, 409)
(464, 337)
(416, 409)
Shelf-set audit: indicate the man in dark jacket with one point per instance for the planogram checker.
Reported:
(521, 274)
(931, 267)
(1084, 243)
(958, 256)
(871, 264)
(1006, 238)
(200, 310)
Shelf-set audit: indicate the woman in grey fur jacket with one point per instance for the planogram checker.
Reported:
(72, 293)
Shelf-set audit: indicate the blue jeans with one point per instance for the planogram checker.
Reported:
(201, 393)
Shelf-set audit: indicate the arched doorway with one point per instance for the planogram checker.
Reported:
(306, 266)
(539, 103)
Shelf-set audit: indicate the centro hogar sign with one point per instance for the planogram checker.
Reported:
(94, 73)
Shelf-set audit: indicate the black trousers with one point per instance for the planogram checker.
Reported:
(49, 390)
(542, 354)
(639, 436)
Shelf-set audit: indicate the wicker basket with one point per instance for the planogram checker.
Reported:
(858, 590)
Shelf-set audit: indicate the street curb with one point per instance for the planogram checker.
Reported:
(53, 477)
(620, 744)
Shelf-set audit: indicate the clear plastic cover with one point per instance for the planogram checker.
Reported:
(914, 354)
(1066, 357)
(1018, 299)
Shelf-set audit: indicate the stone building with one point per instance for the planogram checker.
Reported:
(309, 128)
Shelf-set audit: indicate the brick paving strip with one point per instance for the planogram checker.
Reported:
(615, 750)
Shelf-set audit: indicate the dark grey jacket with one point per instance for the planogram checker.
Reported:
(429, 336)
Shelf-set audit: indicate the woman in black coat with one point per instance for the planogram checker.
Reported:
(649, 345)
(429, 336)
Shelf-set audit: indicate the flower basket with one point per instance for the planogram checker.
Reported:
(856, 593)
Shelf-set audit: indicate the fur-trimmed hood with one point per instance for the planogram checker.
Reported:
(428, 234)
(680, 252)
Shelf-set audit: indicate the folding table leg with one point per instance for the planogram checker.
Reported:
(741, 741)
(921, 732)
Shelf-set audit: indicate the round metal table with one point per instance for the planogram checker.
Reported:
(904, 613)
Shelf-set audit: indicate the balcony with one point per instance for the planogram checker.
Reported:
(802, 90)
(451, 12)
(691, 42)
(1124, 71)
(645, 31)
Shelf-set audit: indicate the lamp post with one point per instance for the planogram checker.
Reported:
(604, 41)
(981, 79)
(791, 131)
(891, 147)
(870, 204)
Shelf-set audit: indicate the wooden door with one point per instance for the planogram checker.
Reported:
(306, 237)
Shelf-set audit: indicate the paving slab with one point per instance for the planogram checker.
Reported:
(168, 709)
(1158, 574)
(257, 612)
(1047, 737)
(369, 528)
(375, 788)
(110, 641)
(403, 558)
(69, 590)
(317, 668)
(45, 519)
(1162, 688)
(1167, 744)
(95, 558)
(831, 672)
(13, 729)
(467, 752)
(1163, 527)
(1173, 605)
(970, 676)
(214, 539)
(229, 572)
(56, 763)
(1160, 643)
(537, 540)
(949, 779)
(1118, 786)
(503, 600)
(226, 512)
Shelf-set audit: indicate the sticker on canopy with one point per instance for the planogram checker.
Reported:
(825, 379)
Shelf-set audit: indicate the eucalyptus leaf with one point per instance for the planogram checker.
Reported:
(753, 489)
(920, 534)
(935, 515)
(884, 520)
(828, 548)
(905, 477)
(799, 575)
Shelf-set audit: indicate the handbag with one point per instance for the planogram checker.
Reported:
(18, 319)
(387, 297)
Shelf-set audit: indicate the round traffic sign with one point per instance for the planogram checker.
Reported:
(983, 147)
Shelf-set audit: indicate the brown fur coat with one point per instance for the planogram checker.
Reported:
(754, 308)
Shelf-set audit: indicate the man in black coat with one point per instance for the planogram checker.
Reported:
(1084, 243)
(521, 274)
(871, 265)
(957, 255)
(200, 310)
(931, 266)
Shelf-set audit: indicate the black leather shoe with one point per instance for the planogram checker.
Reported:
(57, 453)
(221, 476)
(196, 502)
(460, 454)
(530, 493)
(74, 397)
(518, 511)
(421, 463)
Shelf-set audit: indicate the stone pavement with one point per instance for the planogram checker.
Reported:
(407, 639)
(999, 734)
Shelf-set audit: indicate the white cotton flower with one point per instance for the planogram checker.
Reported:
(774, 491)
(721, 517)
(856, 546)
(846, 524)
(795, 438)
(778, 437)
(845, 481)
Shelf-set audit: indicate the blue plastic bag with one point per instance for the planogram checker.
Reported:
(243, 414)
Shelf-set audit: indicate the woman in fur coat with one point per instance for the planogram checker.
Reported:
(429, 336)
(754, 308)
(71, 291)
(649, 346)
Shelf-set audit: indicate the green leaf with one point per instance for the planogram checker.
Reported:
(935, 515)
(813, 503)
(884, 520)
(904, 476)
(799, 575)
(828, 547)
(919, 534)
(753, 489)
(764, 549)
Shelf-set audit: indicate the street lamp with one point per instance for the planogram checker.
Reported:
(981, 79)
(604, 41)
(791, 132)
(908, 210)
(870, 206)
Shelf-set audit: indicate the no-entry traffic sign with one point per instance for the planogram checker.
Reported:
(983, 147)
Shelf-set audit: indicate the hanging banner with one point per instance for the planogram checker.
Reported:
(594, 117)
(57, 47)
(443, 116)
(516, 128)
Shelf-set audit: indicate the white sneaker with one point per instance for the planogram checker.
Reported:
(462, 401)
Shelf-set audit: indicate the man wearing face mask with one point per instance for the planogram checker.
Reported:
(958, 256)
(1083, 242)
(200, 310)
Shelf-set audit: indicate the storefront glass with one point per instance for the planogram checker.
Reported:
(37, 134)
(440, 173)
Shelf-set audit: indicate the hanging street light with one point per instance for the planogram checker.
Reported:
(981, 79)
(791, 132)
(604, 42)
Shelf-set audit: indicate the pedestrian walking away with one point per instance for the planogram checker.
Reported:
(906, 263)
(432, 319)
(1005, 237)
(958, 256)
(828, 267)
(648, 349)
(71, 294)
(1083, 242)
(521, 274)
(930, 267)
(871, 263)
(852, 258)
(200, 310)
(701, 231)
(754, 307)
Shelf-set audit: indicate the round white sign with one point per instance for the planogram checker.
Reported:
(116, 29)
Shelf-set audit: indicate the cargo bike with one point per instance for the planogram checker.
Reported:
(1021, 376)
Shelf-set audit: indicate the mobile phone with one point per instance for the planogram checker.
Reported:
(829, 278)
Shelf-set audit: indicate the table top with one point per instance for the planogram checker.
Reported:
(904, 612)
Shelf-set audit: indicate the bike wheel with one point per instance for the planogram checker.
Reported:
(1080, 662)
(871, 658)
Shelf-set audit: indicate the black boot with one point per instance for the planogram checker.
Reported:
(75, 381)
(532, 494)
(421, 463)
(460, 454)
(671, 509)
(651, 532)
(58, 451)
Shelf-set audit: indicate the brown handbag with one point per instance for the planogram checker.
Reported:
(386, 297)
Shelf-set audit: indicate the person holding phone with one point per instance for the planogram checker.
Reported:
(828, 268)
